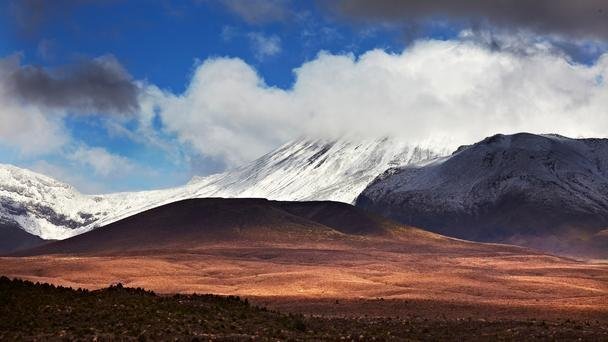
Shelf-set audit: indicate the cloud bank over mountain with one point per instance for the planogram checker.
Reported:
(453, 92)
(443, 92)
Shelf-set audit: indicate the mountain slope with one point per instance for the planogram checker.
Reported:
(300, 170)
(548, 192)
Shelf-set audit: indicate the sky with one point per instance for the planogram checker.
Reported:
(121, 95)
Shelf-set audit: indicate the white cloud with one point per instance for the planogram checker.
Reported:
(264, 46)
(227, 112)
(102, 162)
(460, 89)
(29, 130)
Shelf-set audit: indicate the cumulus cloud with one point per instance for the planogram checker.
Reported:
(587, 18)
(24, 126)
(459, 89)
(227, 112)
(99, 85)
(34, 101)
(264, 46)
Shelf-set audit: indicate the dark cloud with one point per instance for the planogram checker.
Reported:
(100, 85)
(32, 15)
(260, 11)
(573, 18)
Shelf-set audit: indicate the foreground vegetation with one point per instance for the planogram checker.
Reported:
(30, 311)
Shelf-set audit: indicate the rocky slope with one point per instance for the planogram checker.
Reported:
(299, 170)
(543, 191)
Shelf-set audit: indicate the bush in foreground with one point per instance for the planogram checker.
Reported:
(43, 311)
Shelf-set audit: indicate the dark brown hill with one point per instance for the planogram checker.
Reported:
(195, 224)
(190, 223)
(342, 217)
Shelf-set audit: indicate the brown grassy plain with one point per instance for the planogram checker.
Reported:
(363, 281)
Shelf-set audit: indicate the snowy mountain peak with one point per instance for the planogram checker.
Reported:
(26, 181)
(315, 170)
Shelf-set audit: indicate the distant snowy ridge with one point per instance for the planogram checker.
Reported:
(299, 170)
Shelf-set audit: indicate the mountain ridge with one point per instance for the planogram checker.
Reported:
(298, 170)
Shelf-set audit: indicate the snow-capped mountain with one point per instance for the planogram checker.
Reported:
(543, 191)
(314, 170)
(299, 170)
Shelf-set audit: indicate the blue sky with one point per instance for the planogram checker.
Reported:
(161, 42)
(162, 45)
